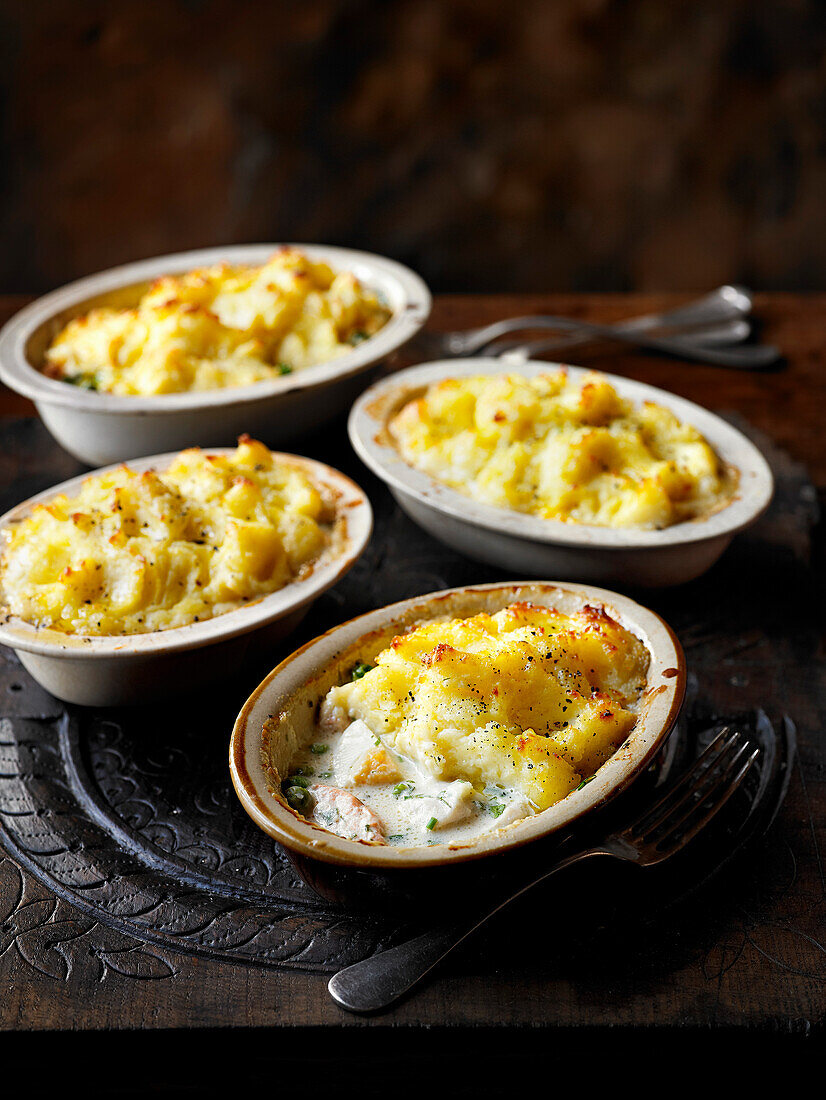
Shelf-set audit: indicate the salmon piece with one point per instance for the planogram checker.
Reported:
(332, 719)
(345, 815)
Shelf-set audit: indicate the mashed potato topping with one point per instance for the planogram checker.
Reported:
(217, 327)
(135, 552)
(562, 450)
(468, 724)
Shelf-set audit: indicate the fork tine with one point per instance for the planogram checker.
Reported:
(719, 747)
(704, 781)
(680, 839)
(704, 787)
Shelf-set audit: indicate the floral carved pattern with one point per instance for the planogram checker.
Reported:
(48, 935)
(145, 867)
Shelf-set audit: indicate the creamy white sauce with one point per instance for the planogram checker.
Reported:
(415, 809)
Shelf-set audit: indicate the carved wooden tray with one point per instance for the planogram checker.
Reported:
(129, 816)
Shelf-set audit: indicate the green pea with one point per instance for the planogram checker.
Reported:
(300, 799)
(318, 749)
(297, 781)
(359, 670)
(83, 381)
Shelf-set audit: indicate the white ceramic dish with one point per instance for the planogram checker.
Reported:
(295, 687)
(100, 428)
(124, 669)
(528, 544)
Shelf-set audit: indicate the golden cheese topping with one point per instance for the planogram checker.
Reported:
(217, 327)
(563, 450)
(521, 705)
(135, 552)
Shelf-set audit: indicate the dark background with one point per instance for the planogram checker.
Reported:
(491, 144)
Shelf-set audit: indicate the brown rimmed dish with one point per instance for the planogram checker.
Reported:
(292, 691)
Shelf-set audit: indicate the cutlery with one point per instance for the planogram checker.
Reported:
(657, 834)
(720, 334)
(725, 303)
(751, 357)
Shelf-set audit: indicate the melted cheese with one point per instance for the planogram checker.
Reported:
(561, 450)
(486, 720)
(218, 327)
(135, 552)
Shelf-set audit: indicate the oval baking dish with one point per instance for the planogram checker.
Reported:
(113, 669)
(293, 690)
(520, 542)
(99, 428)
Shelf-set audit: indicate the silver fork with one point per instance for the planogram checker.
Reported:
(654, 332)
(659, 833)
(721, 334)
(723, 304)
(752, 357)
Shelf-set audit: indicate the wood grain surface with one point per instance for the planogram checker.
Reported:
(744, 956)
(549, 143)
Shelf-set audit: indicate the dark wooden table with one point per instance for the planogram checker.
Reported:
(744, 957)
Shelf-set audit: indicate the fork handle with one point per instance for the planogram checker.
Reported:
(725, 303)
(378, 982)
(750, 357)
(715, 335)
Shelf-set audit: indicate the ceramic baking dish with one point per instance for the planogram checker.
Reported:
(99, 428)
(521, 543)
(135, 668)
(293, 690)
